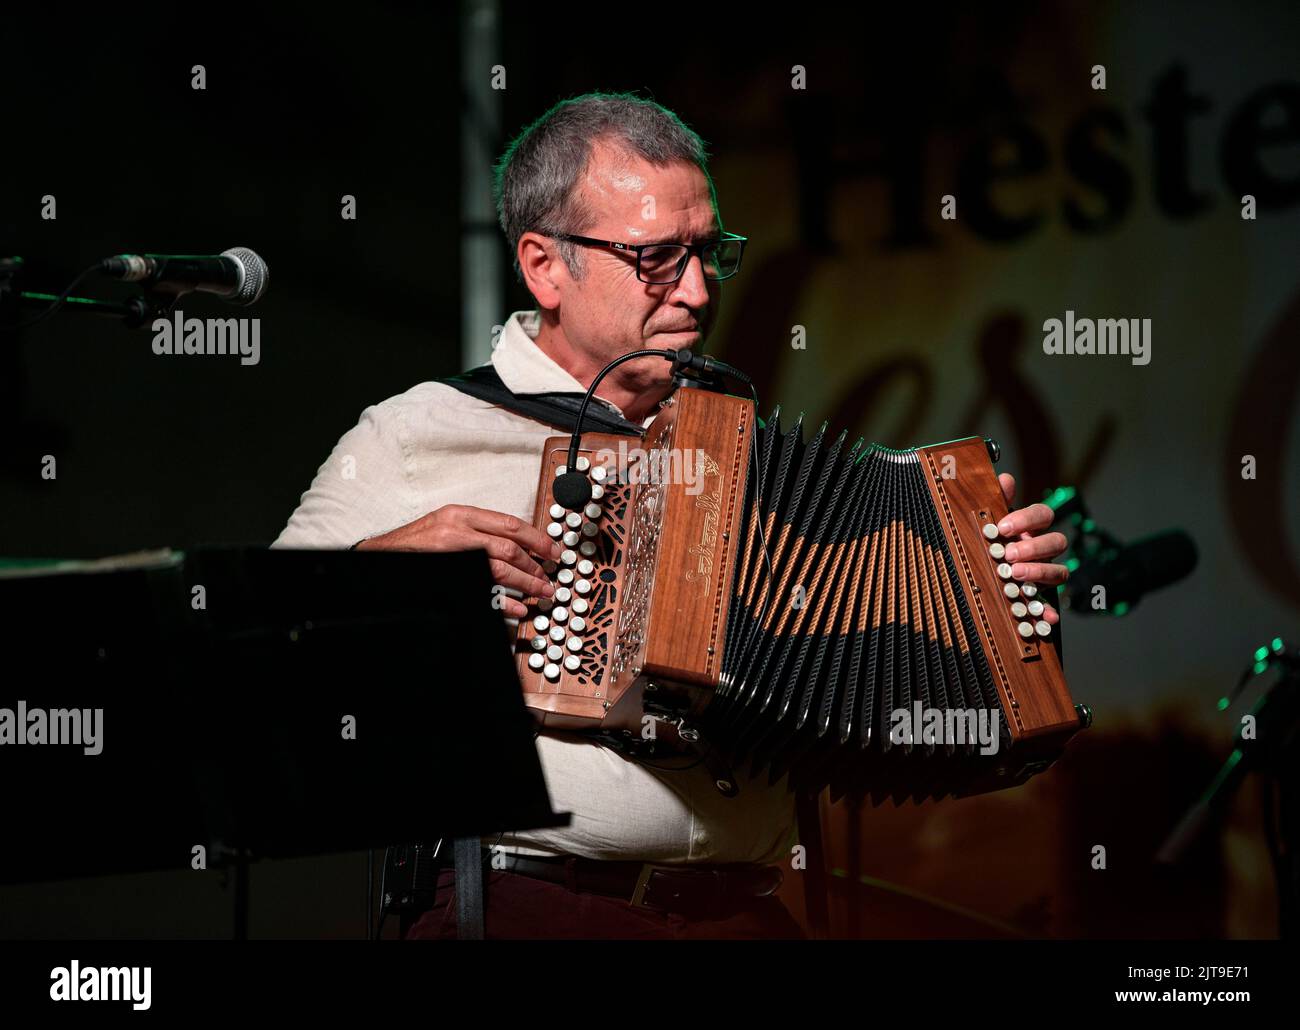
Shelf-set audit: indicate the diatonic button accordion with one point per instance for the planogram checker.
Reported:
(841, 614)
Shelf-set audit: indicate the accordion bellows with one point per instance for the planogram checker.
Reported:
(836, 613)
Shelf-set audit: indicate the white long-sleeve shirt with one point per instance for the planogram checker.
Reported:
(434, 445)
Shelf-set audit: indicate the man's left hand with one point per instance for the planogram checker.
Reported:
(1031, 555)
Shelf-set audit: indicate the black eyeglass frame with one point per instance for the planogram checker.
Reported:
(691, 250)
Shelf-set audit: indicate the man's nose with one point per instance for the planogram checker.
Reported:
(692, 288)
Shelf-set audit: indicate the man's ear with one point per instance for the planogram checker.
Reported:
(542, 268)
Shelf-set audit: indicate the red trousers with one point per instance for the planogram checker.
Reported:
(518, 907)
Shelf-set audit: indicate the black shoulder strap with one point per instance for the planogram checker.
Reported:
(557, 409)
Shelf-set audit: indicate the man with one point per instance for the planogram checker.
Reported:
(436, 469)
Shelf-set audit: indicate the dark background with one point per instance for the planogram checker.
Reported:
(838, 188)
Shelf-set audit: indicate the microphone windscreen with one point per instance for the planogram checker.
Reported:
(572, 490)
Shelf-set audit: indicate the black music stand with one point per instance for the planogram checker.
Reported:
(229, 680)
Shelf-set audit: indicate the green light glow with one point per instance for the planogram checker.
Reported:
(1223, 703)
(1121, 608)
(1261, 653)
(1072, 564)
(1277, 645)
(1260, 667)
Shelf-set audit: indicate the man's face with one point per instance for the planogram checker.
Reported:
(609, 311)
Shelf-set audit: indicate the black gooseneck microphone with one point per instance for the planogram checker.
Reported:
(573, 489)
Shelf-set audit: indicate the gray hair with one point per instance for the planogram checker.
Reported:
(536, 179)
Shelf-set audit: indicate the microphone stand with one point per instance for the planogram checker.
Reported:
(135, 312)
(1273, 749)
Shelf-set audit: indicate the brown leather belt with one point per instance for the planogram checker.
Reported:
(699, 891)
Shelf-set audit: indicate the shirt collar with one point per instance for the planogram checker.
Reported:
(526, 369)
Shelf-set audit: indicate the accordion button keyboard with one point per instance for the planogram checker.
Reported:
(590, 529)
(563, 595)
(560, 614)
(582, 464)
(574, 643)
(552, 671)
(1019, 610)
(557, 633)
(554, 529)
(583, 587)
(577, 624)
(1029, 590)
(555, 652)
(538, 643)
(570, 539)
(536, 662)
(996, 550)
(1025, 629)
(599, 474)
(1011, 590)
(579, 606)
(573, 520)
(556, 511)
(1035, 608)
(1042, 627)
(597, 492)
(585, 568)
(572, 662)
(588, 548)
(1004, 570)
(592, 511)
(990, 531)
(565, 576)
(540, 623)
(568, 557)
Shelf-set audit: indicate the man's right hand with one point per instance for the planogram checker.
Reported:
(510, 543)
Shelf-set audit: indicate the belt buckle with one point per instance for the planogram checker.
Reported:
(642, 881)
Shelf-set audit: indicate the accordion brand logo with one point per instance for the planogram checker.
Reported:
(710, 503)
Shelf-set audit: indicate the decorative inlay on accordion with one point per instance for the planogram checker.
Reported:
(839, 613)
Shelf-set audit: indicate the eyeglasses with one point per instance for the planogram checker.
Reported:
(659, 263)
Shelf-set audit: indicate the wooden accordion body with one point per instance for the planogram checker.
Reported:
(879, 594)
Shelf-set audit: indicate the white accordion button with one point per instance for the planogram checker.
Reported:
(1011, 590)
(1026, 630)
(560, 614)
(583, 587)
(554, 529)
(1042, 627)
(565, 576)
(538, 643)
(1035, 608)
(560, 470)
(990, 530)
(592, 511)
(540, 623)
(587, 548)
(549, 567)
(582, 465)
(573, 520)
(599, 474)
(557, 633)
(996, 550)
(585, 568)
(536, 661)
(590, 529)
(568, 558)
(552, 671)
(563, 595)
(577, 624)
(544, 604)
(555, 652)
(579, 606)
(572, 662)
(574, 643)
(1029, 590)
(1004, 570)
(1019, 610)
(597, 492)
(570, 539)
(557, 512)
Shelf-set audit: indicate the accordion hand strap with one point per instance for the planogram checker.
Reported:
(556, 409)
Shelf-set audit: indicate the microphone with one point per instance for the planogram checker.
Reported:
(237, 276)
(573, 489)
(1129, 571)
